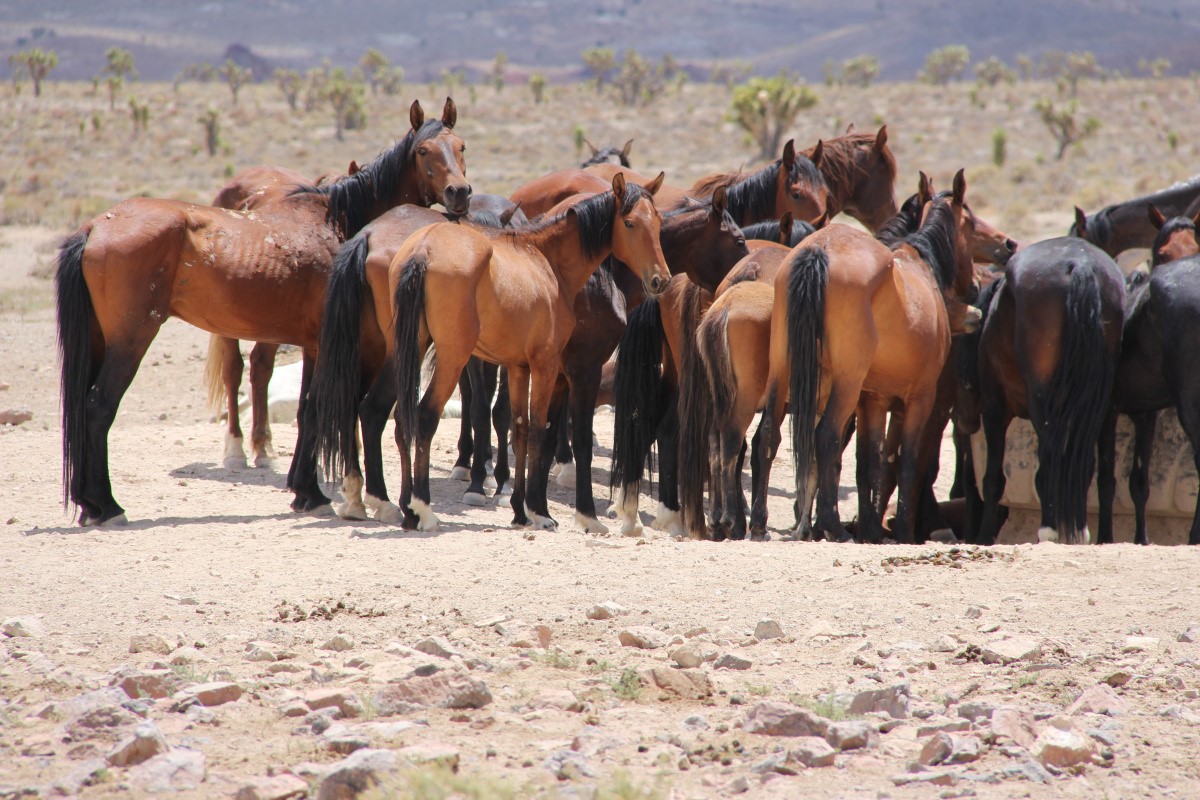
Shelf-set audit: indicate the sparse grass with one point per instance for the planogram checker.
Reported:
(1024, 680)
(621, 787)
(188, 673)
(26, 299)
(558, 660)
(822, 707)
(601, 666)
(369, 710)
(628, 686)
(439, 783)
(759, 689)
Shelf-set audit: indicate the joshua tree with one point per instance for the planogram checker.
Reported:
(373, 63)
(946, 64)
(1064, 124)
(37, 62)
(235, 77)
(537, 85)
(211, 120)
(600, 61)
(290, 83)
(765, 107)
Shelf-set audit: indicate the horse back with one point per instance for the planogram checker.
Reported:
(541, 194)
(761, 266)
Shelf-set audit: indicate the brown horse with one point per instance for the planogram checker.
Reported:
(508, 298)
(607, 155)
(259, 276)
(1128, 225)
(858, 326)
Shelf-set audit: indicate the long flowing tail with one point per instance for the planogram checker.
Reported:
(806, 331)
(214, 385)
(409, 307)
(706, 393)
(75, 320)
(335, 391)
(1073, 405)
(638, 390)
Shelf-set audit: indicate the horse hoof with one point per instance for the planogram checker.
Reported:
(943, 536)
(489, 483)
(388, 513)
(264, 462)
(118, 521)
(352, 510)
(427, 521)
(1047, 535)
(460, 474)
(543, 523)
(475, 499)
(504, 491)
(670, 521)
(632, 529)
(589, 524)
(323, 510)
(236, 462)
(566, 475)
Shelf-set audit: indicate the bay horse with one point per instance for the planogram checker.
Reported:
(258, 275)
(1156, 369)
(1127, 225)
(858, 327)
(507, 297)
(1048, 351)
(607, 155)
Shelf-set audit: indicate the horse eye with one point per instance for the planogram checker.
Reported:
(628, 224)
(423, 151)
(462, 149)
(741, 242)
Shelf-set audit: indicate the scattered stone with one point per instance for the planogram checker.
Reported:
(738, 785)
(1180, 713)
(338, 643)
(949, 726)
(643, 637)
(22, 627)
(145, 743)
(556, 699)
(812, 751)
(974, 612)
(768, 629)
(89, 773)
(155, 683)
(100, 722)
(1014, 725)
(784, 719)
(344, 743)
(732, 661)
(849, 734)
(692, 633)
(294, 708)
(1007, 651)
(696, 723)
(1139, 644)
(257, 652)
(693, 654)
(356, 773)
(689, 684)
(149, 643)
(216, 693)
(1118, 678)
(568, 765)
(1098, 699)
(593, 741)
(944, 644)
(277, 787)
(976, 710)
(939, 778)
(1191, 635)
(1062, 745)
(15, 416)
(435, 646)
(892, 700)
(524, 636)
(443, 755)
(491, 622)
(176, 770)
(347, 703)
(446, 689)
(950, 748)
(606, 610)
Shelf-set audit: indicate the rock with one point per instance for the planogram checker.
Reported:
(344, 743)
(950, 748)
(849, 734)
(186, 655)
(606, 610)
(768, 629)
(347, 703)
(892, 700)
(938, 778)
(216, 693)
(1179, 712)
(688, 684)
(524, 636)
(593, 741)
(944, 644)
(696, 723)
(732, 661)
(446, 689)
(976, 710)
(443, 755)
(15, 416)
(149, 643)
(22, 627)
(257, 652)
(1139, 644)
(145, 743)
(568, 765)
(1014, 725)
(89, 773)
(693, 654)
(643, 637)
(338, 643)
(100, 722)
(946, 726)
(1006, 651)
(1060, 744)
(1118, 678)
(294, 708)
(435, 646)
(784, 719)
(1191, 635)
(176, 770)
(738, 785)
(278, 787)
(973, 612)
(811, 751)
(557, 700)
(1098, 699)
(154, 683)
(356, 773)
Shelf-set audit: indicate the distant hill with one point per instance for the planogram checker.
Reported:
(424, 38)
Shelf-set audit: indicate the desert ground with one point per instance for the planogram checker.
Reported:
(219, 645)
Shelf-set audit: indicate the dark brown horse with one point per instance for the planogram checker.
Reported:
(1127, 225)
(259, 276)
(607, 155)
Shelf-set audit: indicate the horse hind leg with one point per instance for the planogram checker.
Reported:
(231, 376)
(462, 467)
(302, 475)
(502, 424)
(262, 367)
(828, 440)
(582, 396)
(373, 416)
(667, 516)
(475, 415)
(441, 386)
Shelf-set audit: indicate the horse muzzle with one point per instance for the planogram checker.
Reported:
(657, 284)
(457, 199)
(972, 319)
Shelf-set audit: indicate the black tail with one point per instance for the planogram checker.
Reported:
(706, 394)
(638, 390)
(409, 307)
(336, 390)
(1074, 404)
(75, 353)
(806, 330)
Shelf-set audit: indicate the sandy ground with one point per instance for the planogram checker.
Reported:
(213, 560)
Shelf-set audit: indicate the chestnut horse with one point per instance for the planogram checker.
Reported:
(1048, 351)
(507, 297)
(858, 326)
(1157, 365)
(259, 276)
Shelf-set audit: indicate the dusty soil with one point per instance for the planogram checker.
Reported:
(213, 560)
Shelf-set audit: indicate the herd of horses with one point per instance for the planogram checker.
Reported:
(730, 298)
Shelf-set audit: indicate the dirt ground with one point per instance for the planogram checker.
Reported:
(300, 613)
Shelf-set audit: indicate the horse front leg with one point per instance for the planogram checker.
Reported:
(1106, 476)
(462, 467)
(373, 414)
(1139, 473)
(582, 395)
(262, 367)
(542, 379)
(231, 376)
(302, 476)
(995, 427)
(518, 394)
(475, 416)
(769, 438)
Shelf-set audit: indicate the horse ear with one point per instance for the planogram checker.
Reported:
(785, 227)
(960, 187)
(881, 139)
(591, 147)
(353, 168)
(718, 201)
(789, 154)
(1156, 217)
(506, 216)
(818, 151)
(1080, 223)
(924, 189)
(1196, 220)
(653, 186)
(822, 221)
(850, 129)
(449, 113)
(625, 149)
(416, 115)
(618, 189)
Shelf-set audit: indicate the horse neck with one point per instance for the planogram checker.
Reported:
(846, 177)
(743, 201)
(559, 243)
(682, 245)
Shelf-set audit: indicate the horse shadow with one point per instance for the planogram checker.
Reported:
(250, 476)
(159, 522)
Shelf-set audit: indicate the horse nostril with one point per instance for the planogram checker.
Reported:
(1011, 245)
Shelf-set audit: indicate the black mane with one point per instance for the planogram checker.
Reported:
(1172, 226)
(893, 232)
(595, 216)
(1099, 227)
(769, 231)
(753, 197)
(603, 156)
(353, 199)
(935, 240)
